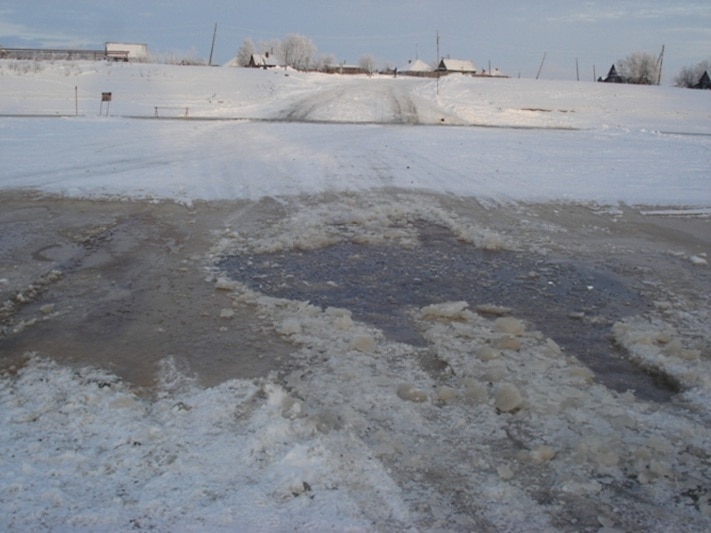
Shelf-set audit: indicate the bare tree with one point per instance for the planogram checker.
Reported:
(297, 51)
(690, 76)
(367, 63)
(244, 53)
(641, 68)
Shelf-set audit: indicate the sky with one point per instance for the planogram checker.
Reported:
(518, 37)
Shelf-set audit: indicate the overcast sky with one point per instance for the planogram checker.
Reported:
(513, 35)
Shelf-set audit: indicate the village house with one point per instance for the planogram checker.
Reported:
(262, 61)
(461, 66)
(343, 69)
(417, 68)
(612, 76)
(704, 81)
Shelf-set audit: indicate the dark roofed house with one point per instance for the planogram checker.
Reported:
(704, 81)
(613, 76)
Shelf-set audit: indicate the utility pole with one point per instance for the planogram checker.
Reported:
(659, 66)
(577, 70)
(212, 48)
(541, 67)
(437, 63)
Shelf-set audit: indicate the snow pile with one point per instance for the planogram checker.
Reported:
(82, 451)
(656, 345)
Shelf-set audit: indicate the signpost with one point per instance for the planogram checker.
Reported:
(105, 97)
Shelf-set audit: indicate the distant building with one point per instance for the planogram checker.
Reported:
(613, 76)
(126, 51)
(416, 68)
(461, 66)
(494, 73)
(704, 81)
(111, 51)
(262, 61)
(344, 69)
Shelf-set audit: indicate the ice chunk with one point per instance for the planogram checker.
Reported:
(292, 408)
(410, 393)
(553, 346)
(47, 309)
(487, 353)
(495, 373)
(581, 372)
(447, 394)
(364, 343)
(507, 397)
(510, 325)
(508, 343)
(543, 454)
(447, 310)
(225, 284)
(490, 309)
(227, 313)
(290, 326)
(505, 472)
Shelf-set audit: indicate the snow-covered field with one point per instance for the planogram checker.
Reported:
(488, 423)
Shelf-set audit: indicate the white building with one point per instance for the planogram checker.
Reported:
(126, 51)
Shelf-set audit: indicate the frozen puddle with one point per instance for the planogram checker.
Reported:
(574, 304)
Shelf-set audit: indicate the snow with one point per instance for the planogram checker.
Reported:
(92, 156)
(358, 435)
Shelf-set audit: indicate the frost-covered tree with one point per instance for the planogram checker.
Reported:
(325, 60)
(297, 51)
(271, 47)
(640, 68)
(367, 63)
(244, 53)
(690, 76)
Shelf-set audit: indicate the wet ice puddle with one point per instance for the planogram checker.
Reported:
(572, 303)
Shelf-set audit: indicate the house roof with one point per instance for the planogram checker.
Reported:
(704, 81)
(457, 65)
(416, 66)
(262, 60)
(613, 76)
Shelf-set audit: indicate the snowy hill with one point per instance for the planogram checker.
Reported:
(579, 145)
(276, 94)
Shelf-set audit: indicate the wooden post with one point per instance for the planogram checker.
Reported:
(541, 67)
(212, 48)
(437, 64)
(76, 100)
